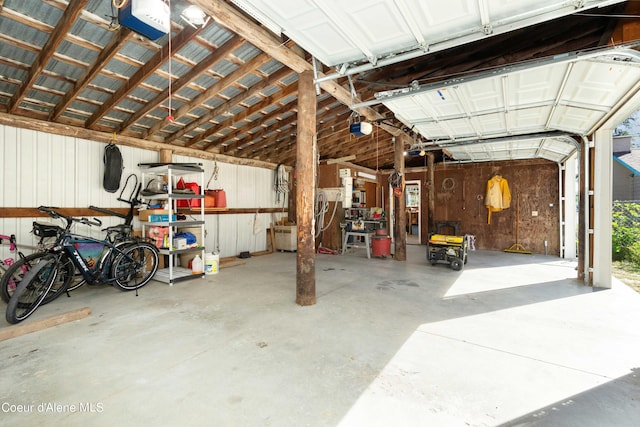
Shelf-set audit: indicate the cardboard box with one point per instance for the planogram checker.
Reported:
(145, 214)
(161, 218)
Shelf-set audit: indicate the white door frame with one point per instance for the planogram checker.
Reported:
(418, 183)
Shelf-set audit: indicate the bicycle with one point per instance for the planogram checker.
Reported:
(127, 265)
(12, 270)
(117, 234)
(13, 247)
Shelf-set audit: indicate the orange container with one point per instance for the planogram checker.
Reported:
(220, 197)
(381, 246)
(209, 199)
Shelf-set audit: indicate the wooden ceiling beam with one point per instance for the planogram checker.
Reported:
(228, 17)
(109, 51)
(254, 138)
(68, 17)
(230, 103)
(27, 21)
(162, 56)
(242, 133)
(326, 128)
(220, 53)
(211, 92)
(244, 115)
(325, 123)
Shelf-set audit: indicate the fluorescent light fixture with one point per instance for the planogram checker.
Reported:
(367, 175)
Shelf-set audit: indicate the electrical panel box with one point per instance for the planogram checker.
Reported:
(347, 183)
(344, 173)
(151, 18)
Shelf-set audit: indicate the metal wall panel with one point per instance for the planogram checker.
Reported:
(45, 169)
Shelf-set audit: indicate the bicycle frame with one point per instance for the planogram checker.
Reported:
(93, 272)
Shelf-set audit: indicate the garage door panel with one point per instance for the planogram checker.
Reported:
(490, 124)
(535, 86)
(529, 119)
(595, 84)
(482, 96)
(572, 95)
(575, 120)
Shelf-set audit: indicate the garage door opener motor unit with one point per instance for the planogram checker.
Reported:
(151, 18)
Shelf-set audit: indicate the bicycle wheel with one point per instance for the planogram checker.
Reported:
(18, 269)
(135, 266)
(32, 289)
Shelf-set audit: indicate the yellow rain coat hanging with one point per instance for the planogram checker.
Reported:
(498, 195)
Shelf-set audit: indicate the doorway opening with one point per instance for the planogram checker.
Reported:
(412, 203)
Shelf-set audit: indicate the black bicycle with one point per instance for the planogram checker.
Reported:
(72, 279)
(126, 265)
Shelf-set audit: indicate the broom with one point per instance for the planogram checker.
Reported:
(517, 247)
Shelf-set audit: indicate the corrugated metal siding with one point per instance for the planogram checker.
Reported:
(45, 169)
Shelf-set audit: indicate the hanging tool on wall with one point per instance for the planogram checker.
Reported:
(517, 247)
(396, 180)
(113, 166)
(281, 184)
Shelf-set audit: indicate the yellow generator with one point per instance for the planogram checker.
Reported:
(451, 250)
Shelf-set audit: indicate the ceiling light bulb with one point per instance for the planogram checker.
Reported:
(194, 16)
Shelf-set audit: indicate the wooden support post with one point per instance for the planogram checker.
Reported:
(166, 155)
(400, 231)
(305, 190)
(431, 211)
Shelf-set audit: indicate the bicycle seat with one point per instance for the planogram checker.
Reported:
(120, 228)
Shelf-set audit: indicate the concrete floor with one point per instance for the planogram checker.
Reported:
(512, 340)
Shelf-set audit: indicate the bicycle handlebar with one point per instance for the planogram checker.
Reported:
(94, 222)
(49, 210)
(107, 211)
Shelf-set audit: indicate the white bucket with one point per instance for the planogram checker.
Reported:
(211, 263)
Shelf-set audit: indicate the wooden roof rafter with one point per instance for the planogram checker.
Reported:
(109, 51)
(254, 109)
(248, 68)
(162, 56)
(230, 103)
(261, 137)
(218, 54)
(69, 16)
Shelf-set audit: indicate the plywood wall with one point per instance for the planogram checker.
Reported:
(459, 196)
